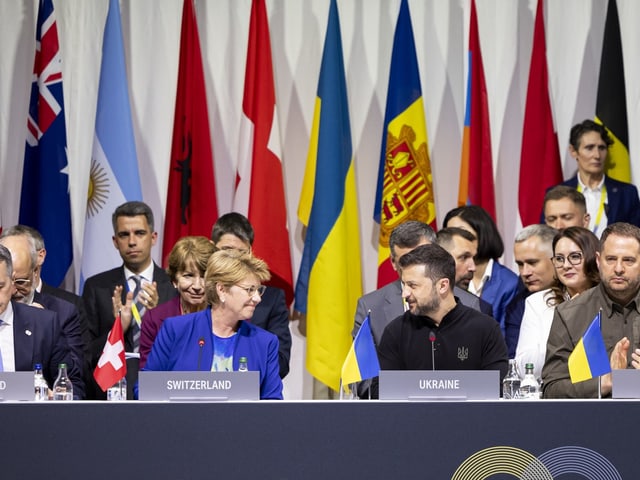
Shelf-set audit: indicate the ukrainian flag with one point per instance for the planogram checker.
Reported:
(362, 360)
(329, 281)
(589, 358)
(405, 183)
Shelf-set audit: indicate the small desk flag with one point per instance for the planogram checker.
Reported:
(589, 359)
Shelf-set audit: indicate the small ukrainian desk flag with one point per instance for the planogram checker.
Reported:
(589, 359)
(362, 360)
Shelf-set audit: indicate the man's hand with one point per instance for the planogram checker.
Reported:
(618, 361)
(126, 316)
(148, 296)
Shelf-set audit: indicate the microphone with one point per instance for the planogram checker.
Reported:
(432, 339)
(200, 344)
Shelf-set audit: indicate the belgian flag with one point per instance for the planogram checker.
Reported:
(611, 107)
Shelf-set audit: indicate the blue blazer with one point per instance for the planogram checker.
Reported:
(622, 205)
(177, 348)
(501, 287)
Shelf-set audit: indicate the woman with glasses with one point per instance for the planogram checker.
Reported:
(187, 263)
(576, 270)
(215, 338)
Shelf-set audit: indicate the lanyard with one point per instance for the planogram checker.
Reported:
(603, 194)
(134, 308)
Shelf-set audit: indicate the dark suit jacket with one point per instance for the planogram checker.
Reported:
(38, 338)
(513, 319)
(272, 315)
(499, 290)
(97, 294)
(69, 324)
(623, 204)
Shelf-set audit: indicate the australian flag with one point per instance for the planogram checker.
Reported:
(44, 201)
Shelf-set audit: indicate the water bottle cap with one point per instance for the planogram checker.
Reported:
(38, 366)
(243, 359)
(529, 365)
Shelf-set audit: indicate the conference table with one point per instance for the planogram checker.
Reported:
(440, 440)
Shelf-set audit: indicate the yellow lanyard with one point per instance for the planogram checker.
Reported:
(603, 194)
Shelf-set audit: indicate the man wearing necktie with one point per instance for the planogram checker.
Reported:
(138, 280)
(30, 335)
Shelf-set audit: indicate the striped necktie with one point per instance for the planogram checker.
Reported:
(137, 279)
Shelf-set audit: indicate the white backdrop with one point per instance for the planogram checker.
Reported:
(151, 28)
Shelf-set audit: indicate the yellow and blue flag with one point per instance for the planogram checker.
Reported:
(329, 281)
(405, 183)
(362, 360)
(589, 358)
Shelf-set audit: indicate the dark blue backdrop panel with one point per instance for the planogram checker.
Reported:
(327, 440)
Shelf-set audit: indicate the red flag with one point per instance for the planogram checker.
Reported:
(476, 170)
(540, 166)
(192, 207)
(111, 366)
(260, 188)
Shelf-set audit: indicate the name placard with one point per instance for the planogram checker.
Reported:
(426, 385)
(198, 386)
(625, 383)
(16, 386)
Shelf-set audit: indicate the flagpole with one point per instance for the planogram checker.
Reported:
(600, 377)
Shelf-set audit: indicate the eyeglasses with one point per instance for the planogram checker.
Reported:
(252, 290)
(22, 282)
(574, 258)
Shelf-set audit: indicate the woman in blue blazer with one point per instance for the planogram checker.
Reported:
(216, 338)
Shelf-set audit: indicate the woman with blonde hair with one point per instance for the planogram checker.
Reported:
(215, 338)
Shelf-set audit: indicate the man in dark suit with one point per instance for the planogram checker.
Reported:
(55, 298)
(24, 259)
(233, 231)
(133, 237)
(30, 335)
(608, 200)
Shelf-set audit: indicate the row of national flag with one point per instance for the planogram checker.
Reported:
(330, 266)
(114, 175)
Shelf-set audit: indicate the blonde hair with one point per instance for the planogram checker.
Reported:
(197, 249)
(229, 267)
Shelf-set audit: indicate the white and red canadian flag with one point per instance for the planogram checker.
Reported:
(111, 366)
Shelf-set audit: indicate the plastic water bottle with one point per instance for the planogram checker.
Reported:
(242, 365)
(118, 391)
(40, 384)
(529, 388)
(511, 382)
(62, 387)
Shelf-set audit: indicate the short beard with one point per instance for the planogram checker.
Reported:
(432, 305)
